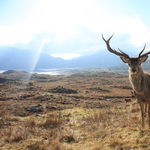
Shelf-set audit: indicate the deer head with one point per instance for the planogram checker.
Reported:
(134, 63)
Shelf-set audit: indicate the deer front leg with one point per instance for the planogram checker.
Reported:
(149, 114)
(143, 112)
(145, 109)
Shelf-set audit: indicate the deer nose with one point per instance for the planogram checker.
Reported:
(133, 70)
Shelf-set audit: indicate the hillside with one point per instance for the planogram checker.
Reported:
(115, 69)
(15, 59)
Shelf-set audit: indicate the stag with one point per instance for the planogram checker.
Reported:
(139, 79)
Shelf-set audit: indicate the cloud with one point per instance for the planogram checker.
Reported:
(36, 41)
(14, 34)
(74, 27)
(138, 31)
(80, 43)
(86, 40)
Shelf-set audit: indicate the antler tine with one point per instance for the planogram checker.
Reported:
(124, 53)
(108, 39)
(114, 51)
(142, 52)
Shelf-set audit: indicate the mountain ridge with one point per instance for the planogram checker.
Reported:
(14, 59)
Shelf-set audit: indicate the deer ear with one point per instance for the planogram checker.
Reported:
(143, 59)
(124, 59)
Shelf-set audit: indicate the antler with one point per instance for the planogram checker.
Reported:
(142, 52)
(114, 51)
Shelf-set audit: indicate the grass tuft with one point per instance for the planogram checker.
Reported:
(30, 122)
(38, 145)
(68, 138)
(135, 109)
(114, 142)
(52, 121)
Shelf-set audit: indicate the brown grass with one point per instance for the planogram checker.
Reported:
(67, 138)
(13, 135)
(51, 121)
(83, 130)
(115, 143)
(95, 118)
(135, 109)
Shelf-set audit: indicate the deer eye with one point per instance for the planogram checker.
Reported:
(129, 64)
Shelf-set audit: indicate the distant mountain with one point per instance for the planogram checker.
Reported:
(12, 58)
(102, 58)
(15, 59)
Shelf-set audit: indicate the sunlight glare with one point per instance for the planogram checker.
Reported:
(35, 59)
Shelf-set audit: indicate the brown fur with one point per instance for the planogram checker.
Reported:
(141, 86)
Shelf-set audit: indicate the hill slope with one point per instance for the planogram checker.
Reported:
(12, 58)
(15, 59)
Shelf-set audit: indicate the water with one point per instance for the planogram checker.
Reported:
(1, 71)
(46, 71)
(49, 73)
(40, 71)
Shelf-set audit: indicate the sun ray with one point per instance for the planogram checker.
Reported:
(36, 58)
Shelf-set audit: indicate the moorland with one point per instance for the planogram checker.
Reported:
(82, 111)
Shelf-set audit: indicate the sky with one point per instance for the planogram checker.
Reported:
(73, 28)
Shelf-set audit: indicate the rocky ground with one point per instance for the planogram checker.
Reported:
(23, 97)
(83, 111)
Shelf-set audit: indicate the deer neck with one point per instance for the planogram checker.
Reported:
(138, 82)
